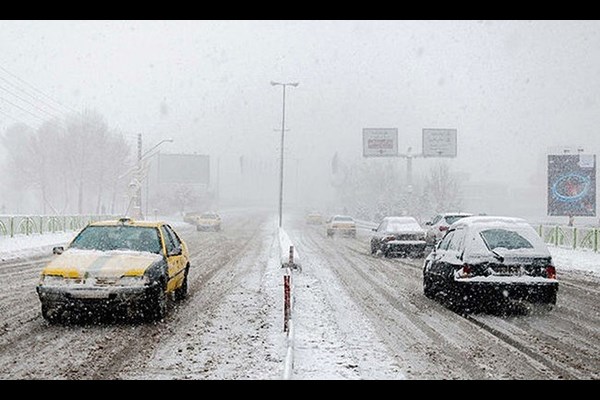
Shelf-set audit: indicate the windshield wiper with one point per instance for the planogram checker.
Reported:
(497, 255)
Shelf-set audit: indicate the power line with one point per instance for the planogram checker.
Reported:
(28, 102)
(37, 90)
(30, 95)
(22, 109)
(16, 119)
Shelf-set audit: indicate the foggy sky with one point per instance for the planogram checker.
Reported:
(510, 88)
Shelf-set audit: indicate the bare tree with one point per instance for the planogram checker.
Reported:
(75, 159)
(441, 191)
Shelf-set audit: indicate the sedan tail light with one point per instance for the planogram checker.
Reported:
(465, 271)
(443, 228)
(551, 272)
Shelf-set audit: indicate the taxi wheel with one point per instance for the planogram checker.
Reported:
(181, 292)
(156, 306)
(50, 314)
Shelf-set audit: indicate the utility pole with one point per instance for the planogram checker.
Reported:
(281, 152)
(138, 177)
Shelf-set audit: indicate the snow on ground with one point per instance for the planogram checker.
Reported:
(333, 338)
(23, 246)
(330, 331)
(580, 260)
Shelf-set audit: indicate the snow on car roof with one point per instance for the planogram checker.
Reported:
(490, 220)
(477, 224)
(401, 220)
(447, 214)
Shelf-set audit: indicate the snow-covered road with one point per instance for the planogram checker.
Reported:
(355, 317)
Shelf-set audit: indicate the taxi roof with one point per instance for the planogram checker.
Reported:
(128, 222)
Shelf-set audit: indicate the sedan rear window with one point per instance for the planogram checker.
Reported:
(450, 219)
(344, 219)
(503, 238)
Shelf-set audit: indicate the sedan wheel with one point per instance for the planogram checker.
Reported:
(428, 290)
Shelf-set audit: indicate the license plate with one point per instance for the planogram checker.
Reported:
(90, 294)
(511, 270)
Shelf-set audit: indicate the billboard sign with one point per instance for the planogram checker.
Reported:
(572, 185)
(439, 142)
(191, 169)
(380, 142)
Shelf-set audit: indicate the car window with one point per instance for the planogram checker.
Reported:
(382, 227)
(458, 237)
(446, 241)
(436, 219)
(118, 237)
(169, 244)
(174, 237)
(403, 225)
(450, 219)
(511, 240)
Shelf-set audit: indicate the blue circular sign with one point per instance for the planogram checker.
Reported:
(571, 187)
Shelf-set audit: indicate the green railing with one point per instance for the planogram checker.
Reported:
(11, 225)
(570, 236)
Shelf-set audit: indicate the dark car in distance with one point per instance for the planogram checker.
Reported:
(398, 236)
(483, 263)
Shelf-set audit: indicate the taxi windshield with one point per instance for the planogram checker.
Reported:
(120, 237)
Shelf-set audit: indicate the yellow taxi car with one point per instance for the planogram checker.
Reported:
(208, 221)
(128, 264)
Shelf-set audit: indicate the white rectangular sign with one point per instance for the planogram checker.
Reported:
(380, 142)
(439, 142)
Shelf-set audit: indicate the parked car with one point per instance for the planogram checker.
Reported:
(482, 262)
(208, 221)
(399, 236)
(438, 226)
(314, 218)
(116, 264)
(341, 225)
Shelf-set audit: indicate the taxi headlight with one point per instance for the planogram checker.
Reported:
(133, 280)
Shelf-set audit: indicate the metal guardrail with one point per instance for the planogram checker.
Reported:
(570, 237)
(11, 225)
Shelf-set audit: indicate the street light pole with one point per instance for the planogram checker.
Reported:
(281, 151)
(140, 175)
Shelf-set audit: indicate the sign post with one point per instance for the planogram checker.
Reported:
(439, 142)
(380, 142)
(383, 142)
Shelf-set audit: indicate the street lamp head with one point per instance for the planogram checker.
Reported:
(170, 140)
(284, 84)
